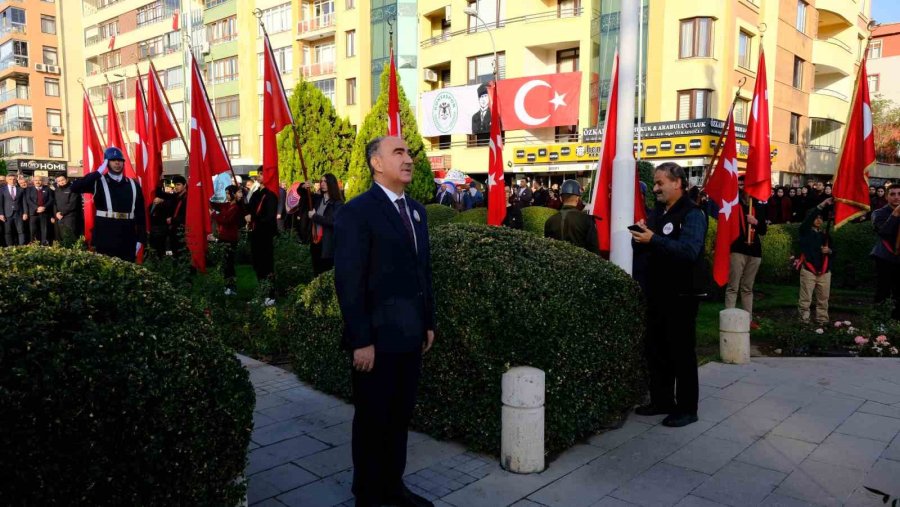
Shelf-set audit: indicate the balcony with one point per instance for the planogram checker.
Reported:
(14, 61)
(837, 12)
(15, 125)
(316, 28)
(317, 69)
(832, 55)
(821, 159)
(828, 103)
(549, 15)
(11, 28)
(13, 95)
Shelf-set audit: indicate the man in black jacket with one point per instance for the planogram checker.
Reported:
(120, 226)
(68, 209)
(746, 254)
(263, 208)
(38, 203)
(570, 224)
(177, 212)
(886, 221)
(12, 209)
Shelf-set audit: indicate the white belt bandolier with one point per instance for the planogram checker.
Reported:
(109, 213)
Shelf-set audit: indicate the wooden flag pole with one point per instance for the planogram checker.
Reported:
(93, 115)
(116, 109)
(715, 157)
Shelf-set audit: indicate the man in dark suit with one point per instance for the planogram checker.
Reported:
(523, 195)
(38, 203)
(445, 195)
(481, 121)
(382, 266)
(12, 207)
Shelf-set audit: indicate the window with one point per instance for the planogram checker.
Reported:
(795, 129)
(232, 145)
(284, 58)
(17, 146)
(277, 19)
(178, 111)
(222, 30)
(696, 38)
(744, 40)
(567, 60)
(874, 49)
(351, 4)
(351, 91)
(55, 149)
(566, 134)
(51, 87)
(874, 81)
(12, 20)
(568, 8)
(108, 30)
(54, 118)
(801, 16)
(48, 24)
(110, 60)
(164, 44)
(152, 13)
(481, 68)
(223, 70)
(227, 108)
(50, 56)
(351, 43)
(798, 72)
(13, 52)
(171, 78)
(693, 104)
(824, 134)
(490, 12)
(741, 110)
(326, 86)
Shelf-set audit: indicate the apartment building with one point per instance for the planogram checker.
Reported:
(31, 111)
(883, 66)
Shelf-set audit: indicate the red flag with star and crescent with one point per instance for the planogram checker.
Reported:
(496, 182)
(540, 101)
(161, 128)
(92, 155)
(851, 179)
(722, 188)
(207, 158)
(114, 131)
(394, 128)
(141, 157)
(758, 178)
(276, 116)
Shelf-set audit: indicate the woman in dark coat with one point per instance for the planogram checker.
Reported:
(325, 205)
(779, 207)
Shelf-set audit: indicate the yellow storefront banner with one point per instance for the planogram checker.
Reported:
(662, 148)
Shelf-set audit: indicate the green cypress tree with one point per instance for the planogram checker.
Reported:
(375, 125)
(326, 138)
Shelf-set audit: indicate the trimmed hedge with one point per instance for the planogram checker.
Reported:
(534, 217)
(581, 322)
(472, 216)
(438, 214)
(112, 390)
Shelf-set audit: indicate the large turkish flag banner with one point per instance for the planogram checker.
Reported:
(540, 101)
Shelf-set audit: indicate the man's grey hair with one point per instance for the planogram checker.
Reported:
(371, 149)
(674, 172)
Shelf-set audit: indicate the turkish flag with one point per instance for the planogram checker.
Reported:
(393, 114)
(91, 156)
(496, 183)
(141, 134)
(758, 178)
(276, 116)
(112, 43)
(540, 101)
(602, 191)
(851, 180)
(175, 20)
(722, 188)
(207, 159)
(114, 129)
(161, 128)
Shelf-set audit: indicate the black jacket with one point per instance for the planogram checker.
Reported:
(31, 200)
(574, 227)
(110, 234)
(263, 208)
(887, 227)
(326, 222)
(740, 245)
(67, 202)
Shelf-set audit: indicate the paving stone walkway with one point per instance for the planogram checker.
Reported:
(777, 432)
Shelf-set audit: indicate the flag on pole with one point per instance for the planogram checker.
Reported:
(851, 179)
(758, 178)
(175, 20)
(206, 159)
(112, 43)
(722, 188)
(161, 128)
(276, 116)
(141, 156)
(601, 194)
(394, 128)
(92, 155)
(496, 182)
(114, 131)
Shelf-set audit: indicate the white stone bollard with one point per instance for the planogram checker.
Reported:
(522, 420)
(734, 336)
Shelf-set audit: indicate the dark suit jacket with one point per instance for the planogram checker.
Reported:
(67, 202)
(31, 200)
(383, 282)
(480, 126)
(523, 199)
(445, 198)
(10, 207)
(263, 207)
(326, 221)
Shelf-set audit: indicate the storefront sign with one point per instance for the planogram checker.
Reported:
(699, 127)
(32, 165)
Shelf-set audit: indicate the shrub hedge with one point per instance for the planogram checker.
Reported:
(534, 217)
(472, 216)
(438, 214)
(113, 390)
(580, 321)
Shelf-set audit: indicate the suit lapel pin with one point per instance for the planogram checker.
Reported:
(416, 216)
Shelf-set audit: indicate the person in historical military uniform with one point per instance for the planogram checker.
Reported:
(120, 226)
(68, 209)
(176, 215)
(673, 241)
(570, 224)
(481, 120)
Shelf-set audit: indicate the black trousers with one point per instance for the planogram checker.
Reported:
(14, 230)
(40, 228)
(157, 239)
(319, 264)
(888, 284)
(262, 253)
(228, 269)
(384, 399)
(67, 228)
(671, 353)
(176, 239)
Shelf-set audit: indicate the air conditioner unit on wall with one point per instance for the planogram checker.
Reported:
(40, 67)
(431, 76)
(53, 69)
(56, 130)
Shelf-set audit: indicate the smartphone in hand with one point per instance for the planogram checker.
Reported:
(635, 228)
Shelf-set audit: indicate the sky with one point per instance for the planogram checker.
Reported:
(886, 11)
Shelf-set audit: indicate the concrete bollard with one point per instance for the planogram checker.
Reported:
(734, 336)
(522, 420)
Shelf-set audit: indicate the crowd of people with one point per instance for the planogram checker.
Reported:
(33, 211)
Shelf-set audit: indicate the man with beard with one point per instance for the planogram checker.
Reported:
(68, 207)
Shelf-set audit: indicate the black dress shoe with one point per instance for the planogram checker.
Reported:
(679, 420)
(407, 499)
(651, 409)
